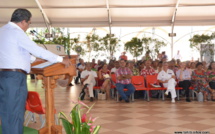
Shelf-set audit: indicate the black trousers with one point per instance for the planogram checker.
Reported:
(13, 94)
(78, 77)
(212, 84)
(186, 85)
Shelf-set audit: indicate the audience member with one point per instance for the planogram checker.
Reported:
(80, 68)
(134, 70)
(123, 76)
(178, 56)
(199, 82)
(147, 56)
(147, 70)
(116, 67)
(104, 80)
(142, 65)
(155, 66)
(88, 78)
(167, 78)
(211, 78)
(184, 77)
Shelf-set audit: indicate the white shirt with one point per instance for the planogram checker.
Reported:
(113, 70)
(177, 56)
(185, 74)
(16, 46)
(162, 75)
(81, 67)
(86, 73)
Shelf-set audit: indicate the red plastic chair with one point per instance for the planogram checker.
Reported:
(139, 84)
(34, 105)
(152, 79)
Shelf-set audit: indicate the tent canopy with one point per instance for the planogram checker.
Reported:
(117, 13)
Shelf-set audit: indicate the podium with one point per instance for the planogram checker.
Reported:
(49, 75)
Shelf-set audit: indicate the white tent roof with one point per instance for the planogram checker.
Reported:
(103, 13)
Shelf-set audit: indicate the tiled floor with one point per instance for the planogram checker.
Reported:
(139, 117)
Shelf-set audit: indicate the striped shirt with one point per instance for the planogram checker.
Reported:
(123, 71)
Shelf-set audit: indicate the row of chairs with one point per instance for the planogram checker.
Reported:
(144, 84)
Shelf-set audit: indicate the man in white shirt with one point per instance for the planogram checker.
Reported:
(167, 77)
(88, 78)
(116, 67)
(178, 56)
(15, 58)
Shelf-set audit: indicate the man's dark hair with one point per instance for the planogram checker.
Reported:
(124, 60)
(20, 14)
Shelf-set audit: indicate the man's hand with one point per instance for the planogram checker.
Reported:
(66, 62)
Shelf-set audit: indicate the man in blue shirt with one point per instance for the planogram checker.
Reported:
(15, 59)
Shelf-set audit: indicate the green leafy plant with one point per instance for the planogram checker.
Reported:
(109, 45)
(134, 46)
(81, 123)
(199, 41)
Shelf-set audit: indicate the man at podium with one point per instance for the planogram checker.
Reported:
(15, 59)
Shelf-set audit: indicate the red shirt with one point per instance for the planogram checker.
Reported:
(124, 57)
(144, 72)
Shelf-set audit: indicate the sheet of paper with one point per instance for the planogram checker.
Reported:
(43, 65)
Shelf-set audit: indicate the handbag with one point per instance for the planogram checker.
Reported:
(101, 96)
(200, 97)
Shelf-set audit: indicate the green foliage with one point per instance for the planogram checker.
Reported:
(109, 44)
(79, 124)
(197, 40)
(136, 46)
(42, 41)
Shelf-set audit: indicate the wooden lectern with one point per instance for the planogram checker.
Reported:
(49, 75)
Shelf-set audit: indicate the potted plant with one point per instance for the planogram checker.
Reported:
(81, 122)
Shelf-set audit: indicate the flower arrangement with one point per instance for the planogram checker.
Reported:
(80, 123)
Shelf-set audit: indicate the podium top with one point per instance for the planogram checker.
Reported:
(52, 69)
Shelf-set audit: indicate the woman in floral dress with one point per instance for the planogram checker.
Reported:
(199, 81)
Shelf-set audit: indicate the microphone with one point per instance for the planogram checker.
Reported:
(33, 32)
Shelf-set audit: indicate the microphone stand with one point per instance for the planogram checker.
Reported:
(33, 32)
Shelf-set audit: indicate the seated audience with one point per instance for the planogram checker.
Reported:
(80, 68)
(184, 77)
(211, 78)
(160, 65)
(147, 56)
(134, 70)
(111, 64)
(116, 66)
(192, 67)
(104, 80)
(94, 64)
(98, 65)
(155, 66)
(88, 78)
(147, 70)
(141, 66)
(205, 67)
(167, 78)
(123, 80)
(199, 82)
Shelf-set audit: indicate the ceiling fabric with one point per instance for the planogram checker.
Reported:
(123, 13)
